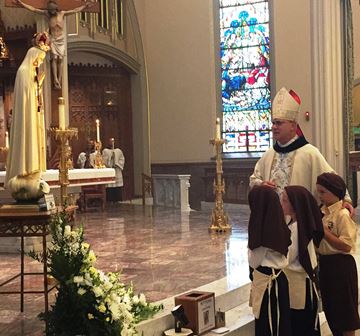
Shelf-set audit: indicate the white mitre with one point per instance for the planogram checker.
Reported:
(285, 106)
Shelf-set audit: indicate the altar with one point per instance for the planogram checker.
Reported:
(77, 179)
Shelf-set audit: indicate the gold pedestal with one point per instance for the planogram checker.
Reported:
(219, 219)
(99, 163)
(62, 138)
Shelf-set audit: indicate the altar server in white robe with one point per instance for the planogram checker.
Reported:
(292, 160)
(87, 158)
(114, 158)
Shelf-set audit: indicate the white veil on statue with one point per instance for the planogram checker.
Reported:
(27, 151)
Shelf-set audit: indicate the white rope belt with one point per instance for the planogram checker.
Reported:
(273, 277)
(313, 287)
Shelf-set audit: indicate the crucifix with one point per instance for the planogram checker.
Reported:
(55, 12)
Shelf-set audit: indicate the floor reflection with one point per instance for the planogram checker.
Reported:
(162, 251)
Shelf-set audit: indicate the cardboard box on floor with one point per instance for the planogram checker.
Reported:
(199, 308)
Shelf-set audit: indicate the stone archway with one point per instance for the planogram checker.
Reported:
(139, 100)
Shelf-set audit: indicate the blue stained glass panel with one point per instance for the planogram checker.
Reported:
(245, 67)
(247, 58)
(229, 37)
(239, 99)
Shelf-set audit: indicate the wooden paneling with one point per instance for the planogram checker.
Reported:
(102, 93)
(18, 42)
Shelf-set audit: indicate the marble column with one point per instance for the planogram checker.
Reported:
(327, 69)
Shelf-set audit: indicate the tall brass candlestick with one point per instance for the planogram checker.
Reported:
(62, 137)
(219, 219)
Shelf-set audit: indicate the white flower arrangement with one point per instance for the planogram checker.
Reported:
(88, 301)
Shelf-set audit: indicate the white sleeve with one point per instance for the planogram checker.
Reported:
(92, 159)
(81, 160)
(256, 256)
(256, 178)
(106, 155)
(119, 159)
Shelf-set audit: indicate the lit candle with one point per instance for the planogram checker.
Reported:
(61, 102)
(217, 133)
(97, 130)
(113, 143)
(6, 139)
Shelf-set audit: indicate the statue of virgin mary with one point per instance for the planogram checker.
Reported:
(27, 149)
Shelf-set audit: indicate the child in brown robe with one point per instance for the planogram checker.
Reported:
(269, 238)
(306, 233)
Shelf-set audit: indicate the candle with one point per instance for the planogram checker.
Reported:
(97, 130)
(61, 102)
(217, 132)
(112, 140)
(6, 139)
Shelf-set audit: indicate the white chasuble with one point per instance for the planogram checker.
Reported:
(308, 164)
(281, 170)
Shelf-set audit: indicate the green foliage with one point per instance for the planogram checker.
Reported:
(88, 301)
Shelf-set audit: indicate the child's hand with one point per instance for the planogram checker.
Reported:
(349, 206)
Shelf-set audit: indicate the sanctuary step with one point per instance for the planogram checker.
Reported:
(225, 300)
(238, 315)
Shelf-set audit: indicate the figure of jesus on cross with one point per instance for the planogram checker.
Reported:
(55, 18)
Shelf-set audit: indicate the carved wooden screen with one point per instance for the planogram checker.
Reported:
(18, 41)
(103, 93)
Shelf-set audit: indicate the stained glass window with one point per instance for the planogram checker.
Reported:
(245, 75)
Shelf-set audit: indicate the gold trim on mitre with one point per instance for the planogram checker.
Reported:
(285, 106)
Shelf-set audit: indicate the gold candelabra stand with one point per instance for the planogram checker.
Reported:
(62, 137)
(99, 163)
(219, 219)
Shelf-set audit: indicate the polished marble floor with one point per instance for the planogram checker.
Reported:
(163, 251)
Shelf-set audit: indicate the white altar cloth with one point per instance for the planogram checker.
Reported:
(77, 177)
